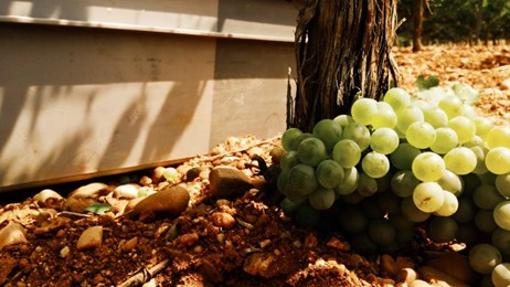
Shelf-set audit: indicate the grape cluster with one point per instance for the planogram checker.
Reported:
(393, 164)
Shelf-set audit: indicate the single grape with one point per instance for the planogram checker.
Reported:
(359, 134)
(442, 229)
(480, 153)
(289, 136)
(436, 117)
(294, 143)
(484, 221)
(497, 160)
(498, 136)
(450, 205)
(487, 197)
(423, 105)
(322, 199)
(446, 139)
(375, 165)
(385, 116)
(301, 181)
(398, 98)
(460, 160)
(403, 183)
(501, 240)
(501, 215)
(421, 135)
(352, 220)
(483, 125)
(349, 183)
(428, 196)
(474, 141)
(289, 160)
(408, 116)
(403, 156)
(311, 151)
(428, 166)
(367, 186)
(411, 212)
(329, 174)
(451, 182)
(466, 210)
(503, 184)
(484, 257)
(384, 140)
(328, 131)
(363, 110)
(288, 206)
(347, 153)
(464, 128)
(452, 106)
(500, 275)
(381, 232)
(343, 120)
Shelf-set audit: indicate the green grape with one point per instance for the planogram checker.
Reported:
(501, 240)
(400, 222)
(411, 212)
(487, 178)
(484, 257)
(497, 160)
(421, 135)
(503, 184)
(501, 215)
(381, 232)
(464, 128)
(383, 183)
(428, 196)
(442, 229)
(294, 143)
(451, 182)
(474, 141)
(403, 183)
(500, 275)
(311, 151)
(329, 174)
(306, 216)
(384, 140)
(328, 131)
(281, 183)
(436, 117)
(349, 183)
(450, 205)
(363, 244)
(343, 120)
(452, 106)
(428, 166)
(408, 116)
(423, 105)
(347, 153)
(367, 186)
(375, 165)
(471, 182)
(466, 210)
(487, 197)
(352, 220)
(498, 136)
(363, 110)
(397, 98)
(480, 153)
(385, 116)
(483, 125)
(484, 221)
(467, 233)
(359, 134)
(371, 208)
(322, 199)
(446, 139)
(288, 206)
(352, 198)
(403, 156)
(388, 203)
(460, 160)
(289, 136)
(301, 181)
(289, 160)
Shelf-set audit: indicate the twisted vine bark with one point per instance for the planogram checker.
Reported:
(343, 47)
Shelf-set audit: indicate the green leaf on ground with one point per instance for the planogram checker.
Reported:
(99, 208)
(426, 83)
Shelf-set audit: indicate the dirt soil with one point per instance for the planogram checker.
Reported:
(243, 240)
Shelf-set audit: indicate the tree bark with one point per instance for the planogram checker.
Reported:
(342, 48)
(478, 23)
(418, 24)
